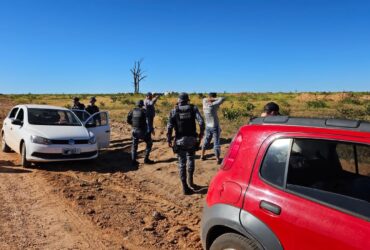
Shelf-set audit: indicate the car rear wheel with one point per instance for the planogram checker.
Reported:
(233, 241)
(25, 162)
(4, 147)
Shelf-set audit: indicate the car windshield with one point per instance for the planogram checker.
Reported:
(53, 117)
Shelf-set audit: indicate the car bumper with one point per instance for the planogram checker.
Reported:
(53, 153)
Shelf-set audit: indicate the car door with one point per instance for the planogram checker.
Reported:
(8, 126)
(286, 196)
(16, 130)
(81, 114)
(98, 124)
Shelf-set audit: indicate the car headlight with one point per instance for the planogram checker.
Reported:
(92, 139)
(40, 140)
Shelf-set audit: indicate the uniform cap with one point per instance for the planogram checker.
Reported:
(76, 99)
(93, 99)
(149, 94)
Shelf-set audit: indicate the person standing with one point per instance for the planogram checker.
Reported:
(77, 105)
(210, 108)
(183, 119)
(93, 109)
(137, 118)
(270, 109)
(149, 103)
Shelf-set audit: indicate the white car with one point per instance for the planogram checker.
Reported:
(42, 133)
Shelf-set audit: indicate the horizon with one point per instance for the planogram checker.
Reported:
(193, 46)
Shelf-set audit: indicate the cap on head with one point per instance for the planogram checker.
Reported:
(212, 94)
(271, 107)
(183, 97)
(76, 99)
(149, 94)
(140, 103)
(93, 99)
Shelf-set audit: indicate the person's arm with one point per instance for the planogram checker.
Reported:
(200, 121)
(217, 101)
(155, 98)
(129, 118)
(170, 127)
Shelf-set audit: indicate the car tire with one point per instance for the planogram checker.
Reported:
(234, 241)
(4, 147)
(25, 163)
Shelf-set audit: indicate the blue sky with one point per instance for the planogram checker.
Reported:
(89, 46)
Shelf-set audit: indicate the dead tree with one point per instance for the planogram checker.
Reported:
(138, 75)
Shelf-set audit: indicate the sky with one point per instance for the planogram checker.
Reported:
(89, 46)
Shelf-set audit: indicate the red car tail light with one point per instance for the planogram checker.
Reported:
(233, 152)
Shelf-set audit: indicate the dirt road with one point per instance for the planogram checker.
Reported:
(101, 204)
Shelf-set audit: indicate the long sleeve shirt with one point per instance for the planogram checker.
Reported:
(210, 109)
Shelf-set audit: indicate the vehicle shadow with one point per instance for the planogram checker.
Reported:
(7, 170)
(109, 161)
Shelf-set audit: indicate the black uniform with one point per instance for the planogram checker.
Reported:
(183, 119)
(79, 106)
(138, 119)
(92, 109)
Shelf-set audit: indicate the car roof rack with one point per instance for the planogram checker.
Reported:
(354, 125)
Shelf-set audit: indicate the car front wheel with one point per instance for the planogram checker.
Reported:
(25, 162)
(233, 241)
(4, 147)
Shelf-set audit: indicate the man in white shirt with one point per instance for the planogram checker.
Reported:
(211, 106)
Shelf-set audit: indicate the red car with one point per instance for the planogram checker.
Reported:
(292, 183)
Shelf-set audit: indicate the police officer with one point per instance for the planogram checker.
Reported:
(183, 119)
(77, 104)
(137, 118)
(92, 108)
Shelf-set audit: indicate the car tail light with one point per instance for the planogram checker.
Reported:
(233, 152)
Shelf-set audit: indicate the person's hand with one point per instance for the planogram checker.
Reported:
(153, 133)
(170, 144)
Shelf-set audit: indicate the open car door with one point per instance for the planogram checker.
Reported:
(81, 114)
(98, 123)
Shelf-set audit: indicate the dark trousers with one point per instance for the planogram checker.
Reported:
(186, 160)
(138, 135)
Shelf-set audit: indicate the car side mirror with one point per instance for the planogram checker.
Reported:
(17, 122)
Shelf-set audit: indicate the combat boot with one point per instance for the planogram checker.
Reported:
(191, 182)
(186, 190)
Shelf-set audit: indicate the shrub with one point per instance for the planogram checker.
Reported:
(102, 104)
(351, 100)
(317, 104)
(164, 121)
(68, 106)
(127, 101)
(113, 98)
(350, 112)
(232, 114)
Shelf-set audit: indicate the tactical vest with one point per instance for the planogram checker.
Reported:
(185, 121)
(138, 118)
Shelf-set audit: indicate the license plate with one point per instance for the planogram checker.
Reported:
(71, 151)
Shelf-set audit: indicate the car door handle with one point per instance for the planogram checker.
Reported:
(271, 207)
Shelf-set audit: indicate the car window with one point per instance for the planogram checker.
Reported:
(275, 161)
(20, 115)
(99, 119)
(52, 117)
(332, 172)
(13, 113)
(81, 114)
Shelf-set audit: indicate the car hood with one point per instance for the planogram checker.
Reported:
(59, 132)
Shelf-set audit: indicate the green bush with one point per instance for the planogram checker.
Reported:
(351, 100)
(316, 104)
(233, 114)
(113, 98)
